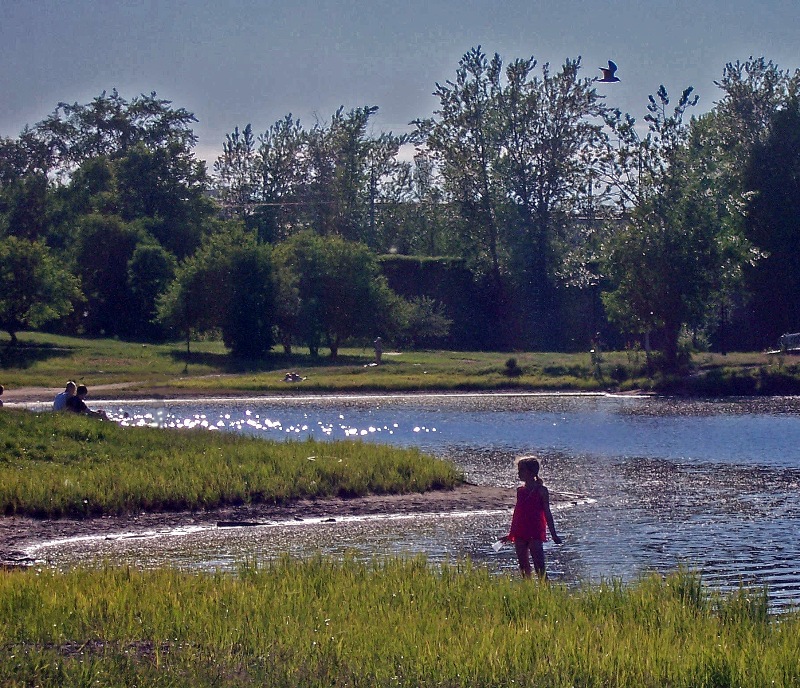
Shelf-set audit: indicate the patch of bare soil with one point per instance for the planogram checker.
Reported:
(18, 533)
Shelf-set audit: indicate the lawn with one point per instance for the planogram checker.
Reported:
(43, 360)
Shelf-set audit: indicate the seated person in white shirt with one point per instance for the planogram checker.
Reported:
(60, 402)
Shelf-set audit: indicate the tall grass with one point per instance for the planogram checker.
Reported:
(55, 464)
(322, 623)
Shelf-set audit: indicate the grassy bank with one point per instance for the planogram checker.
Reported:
(67, 465)
(393, 623)
(166, 369)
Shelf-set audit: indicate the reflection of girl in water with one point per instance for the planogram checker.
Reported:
(531, 518)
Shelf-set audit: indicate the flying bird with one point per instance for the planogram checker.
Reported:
(609, 73)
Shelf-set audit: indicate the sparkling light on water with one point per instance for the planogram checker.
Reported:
(709, 485)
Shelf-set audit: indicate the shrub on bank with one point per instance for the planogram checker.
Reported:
(721, 382)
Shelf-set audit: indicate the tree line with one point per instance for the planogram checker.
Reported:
(571, 219)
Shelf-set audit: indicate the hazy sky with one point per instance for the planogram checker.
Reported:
(242, 61)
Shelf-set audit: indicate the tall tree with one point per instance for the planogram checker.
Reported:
(96, 180)
(516, 152)
(341, 293)
(332, 178)
(35, 287)
(151, 269)
(280, 181)
(420, 222)
(25, 208)
(226, 285)
(105, 247)
(166, 188)
(235, 173)
(555, 146)
(109, 125)
(665, 260)
(131, 158)
(465, 137)
(749, 135)
(22, 156)
(346, 173)
(773, 224)
(260, 181)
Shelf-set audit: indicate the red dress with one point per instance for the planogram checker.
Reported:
(528, 522)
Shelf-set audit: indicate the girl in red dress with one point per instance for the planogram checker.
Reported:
(531, 519)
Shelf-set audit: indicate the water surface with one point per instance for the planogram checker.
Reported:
(652, 484)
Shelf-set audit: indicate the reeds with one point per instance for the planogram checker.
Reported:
(320, 622)
(57, 464)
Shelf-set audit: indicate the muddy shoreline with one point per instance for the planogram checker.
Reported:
(18, 533)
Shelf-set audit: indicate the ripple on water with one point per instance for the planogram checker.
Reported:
(712, 485)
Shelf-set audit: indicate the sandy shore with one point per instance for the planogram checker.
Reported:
(18, 533)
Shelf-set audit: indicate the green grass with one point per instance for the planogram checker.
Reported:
(50, 360)
(43, 360)
(67, 465)
(320, 622)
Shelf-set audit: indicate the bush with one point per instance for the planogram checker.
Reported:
(512, 369)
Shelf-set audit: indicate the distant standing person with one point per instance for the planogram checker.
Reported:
(532, 517)
(76, 403)
(378, 350)
(60, 402)
(2, 389)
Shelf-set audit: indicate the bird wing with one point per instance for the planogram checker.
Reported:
(612, 67)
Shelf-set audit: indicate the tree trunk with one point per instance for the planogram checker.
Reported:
(672, 331)
(333, 345)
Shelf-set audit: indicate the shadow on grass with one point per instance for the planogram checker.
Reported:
(26, 354)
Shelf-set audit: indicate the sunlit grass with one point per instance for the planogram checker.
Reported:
(45, 360)
(166, 369)
(412, 371)
(55, 464)
(320, 622)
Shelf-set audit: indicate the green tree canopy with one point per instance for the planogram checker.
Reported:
(151, 269)
(666, 259)
(228, 285)
(35, 287)
(773, 225)
(330, 178)
(110, 125)
(341, 292)
(518, 152)
(105, 247)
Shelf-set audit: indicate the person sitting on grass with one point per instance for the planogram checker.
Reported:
(60, 402)
(76, 404)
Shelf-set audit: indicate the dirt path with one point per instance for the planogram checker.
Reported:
(31, 395)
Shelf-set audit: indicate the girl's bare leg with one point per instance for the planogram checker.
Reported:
(522, 556)
(537, 552)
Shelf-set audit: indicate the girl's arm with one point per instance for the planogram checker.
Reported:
(549, 515)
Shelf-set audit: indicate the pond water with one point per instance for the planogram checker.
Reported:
(651, 483)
